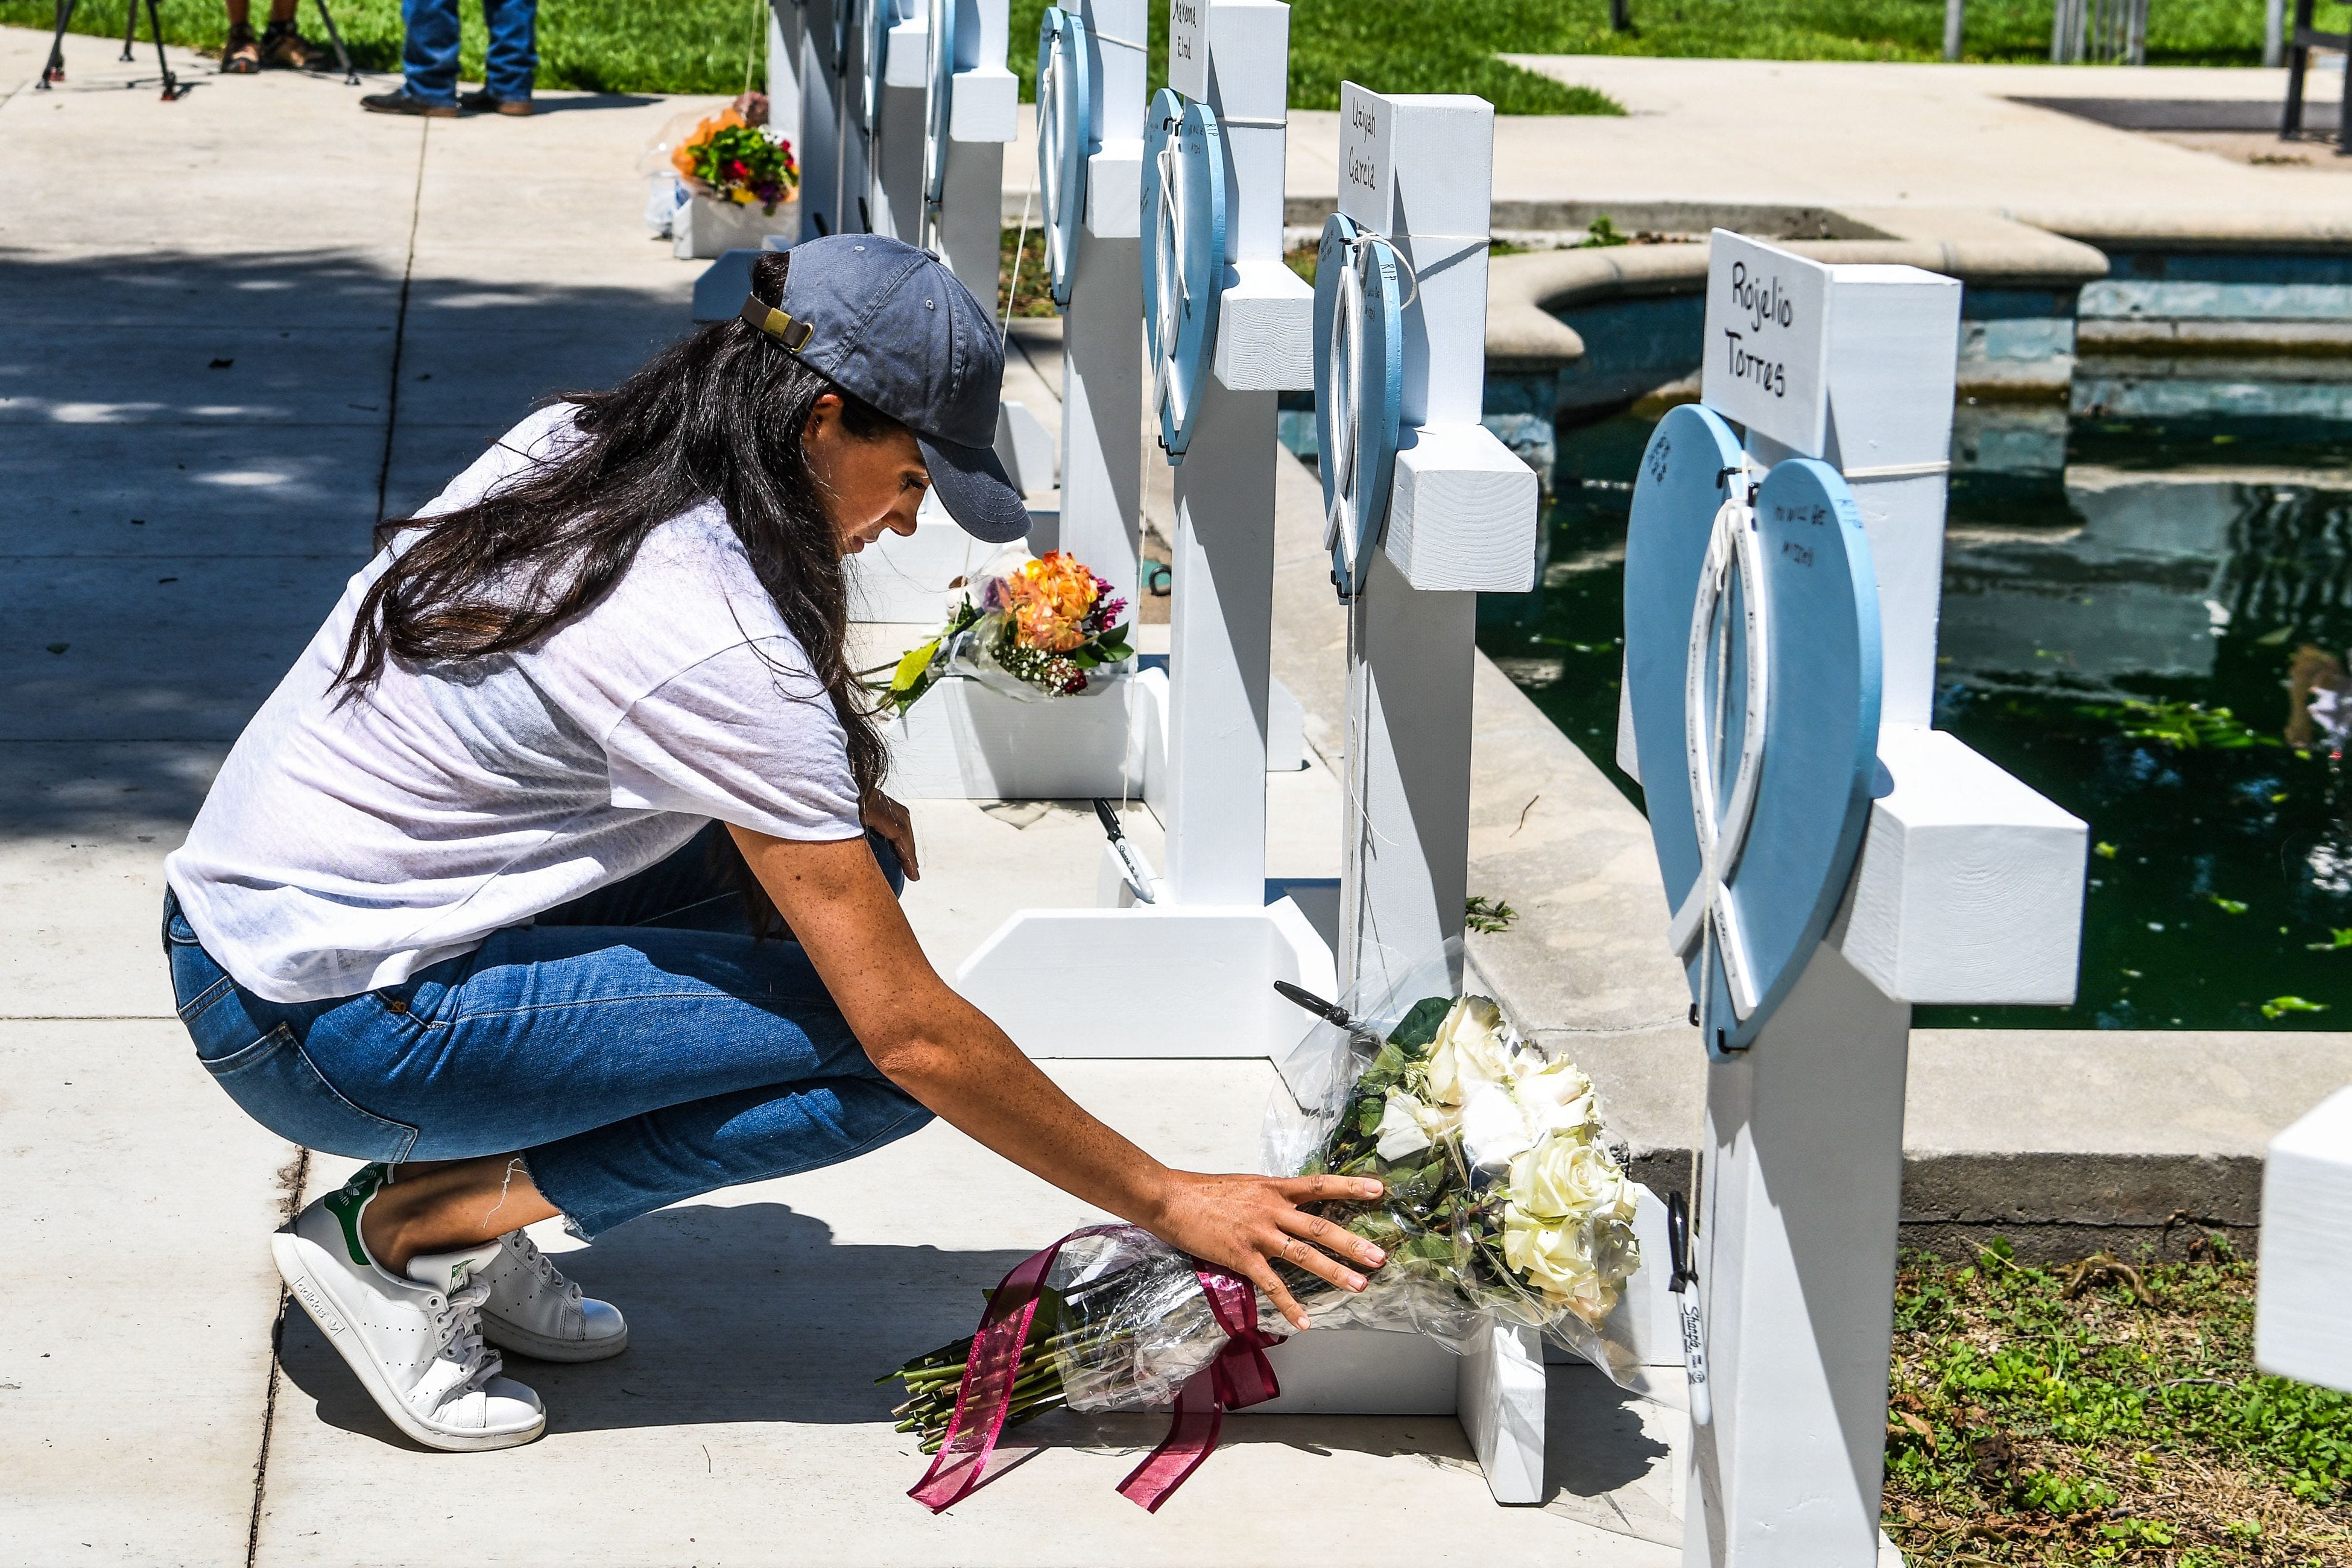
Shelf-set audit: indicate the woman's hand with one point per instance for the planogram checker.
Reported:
(1242, 1222)
(888, 818)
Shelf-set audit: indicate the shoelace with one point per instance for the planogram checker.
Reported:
(545, 1266)
(458, 1319)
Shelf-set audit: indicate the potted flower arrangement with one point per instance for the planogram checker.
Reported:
(742, 185)
(1028, 635)
(1036, 630)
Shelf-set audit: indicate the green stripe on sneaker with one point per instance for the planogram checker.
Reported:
(346, 1201)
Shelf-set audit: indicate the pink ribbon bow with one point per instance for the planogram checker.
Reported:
(1239, 1377)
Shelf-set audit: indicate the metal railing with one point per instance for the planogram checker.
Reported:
(2101, 32)
(2300, 42)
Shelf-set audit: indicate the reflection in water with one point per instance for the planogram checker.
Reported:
(2146, 622)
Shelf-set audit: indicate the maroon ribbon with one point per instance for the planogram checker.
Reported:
(985, 1395)
(1240, 1376)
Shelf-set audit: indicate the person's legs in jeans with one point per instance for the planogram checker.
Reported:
(513, 57)
(632, 1067)
(428, 50)
(632, 1064)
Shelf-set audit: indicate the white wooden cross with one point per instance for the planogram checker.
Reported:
(967, 43)
(818, 52)
(1967, 889)
(1234, 55)
(943, 103)
(804, 99)
(1462, 519)
(1211, 926)
(895, 122)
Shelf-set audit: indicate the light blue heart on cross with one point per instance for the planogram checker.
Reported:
(1065, 113)
(1359, 391)
(1752, 668)
(1183, 256)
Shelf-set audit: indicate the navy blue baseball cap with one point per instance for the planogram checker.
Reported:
(879, 318)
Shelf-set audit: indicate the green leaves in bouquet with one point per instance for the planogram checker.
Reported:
(920, 668)
(742, 158)
(1349, 1151)
(913, 677)
(1110, 647)
(1418, 1028)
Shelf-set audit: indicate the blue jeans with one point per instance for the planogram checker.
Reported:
(638, 1046)
(429, 52)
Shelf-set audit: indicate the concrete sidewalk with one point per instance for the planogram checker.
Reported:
(1739, 141)
(1954, 138)
(285, 321)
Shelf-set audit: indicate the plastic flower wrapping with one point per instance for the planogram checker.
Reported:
(1031, 628)
(1505, 1205)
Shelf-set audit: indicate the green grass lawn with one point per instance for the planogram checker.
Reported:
(1449, 46)
(1396, 45)
(2104, 1412)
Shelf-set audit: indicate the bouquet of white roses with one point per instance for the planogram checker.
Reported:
(1504, 1204)
(1505, 1200)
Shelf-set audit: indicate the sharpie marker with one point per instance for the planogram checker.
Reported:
(1693, 1334)
(1139, 876)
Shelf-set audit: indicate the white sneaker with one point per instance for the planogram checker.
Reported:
(415, 1343)
(534, 1311)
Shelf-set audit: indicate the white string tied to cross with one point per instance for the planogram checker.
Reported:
(1708, 919)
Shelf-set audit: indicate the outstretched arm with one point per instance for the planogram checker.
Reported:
(946, 1053)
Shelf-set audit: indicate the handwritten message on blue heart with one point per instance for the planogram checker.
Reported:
(1753, 669)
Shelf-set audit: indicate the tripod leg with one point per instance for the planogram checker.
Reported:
(336, 38)
(55, 69)
(2298, 60)
(130, 26)
(155, 26)
(2344, 111)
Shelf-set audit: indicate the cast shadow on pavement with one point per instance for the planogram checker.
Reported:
(737, 1314)
(193, 447)
(752, 1313)
(571, 104)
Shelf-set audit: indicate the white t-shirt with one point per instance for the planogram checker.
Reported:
(344, 847)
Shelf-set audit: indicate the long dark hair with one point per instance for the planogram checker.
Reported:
(717, 415)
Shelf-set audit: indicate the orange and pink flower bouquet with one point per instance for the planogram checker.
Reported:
(1031, 628)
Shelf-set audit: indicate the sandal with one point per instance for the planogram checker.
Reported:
(284, 48)
(241, 55)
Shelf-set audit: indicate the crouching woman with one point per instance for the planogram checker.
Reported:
(556, 878)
